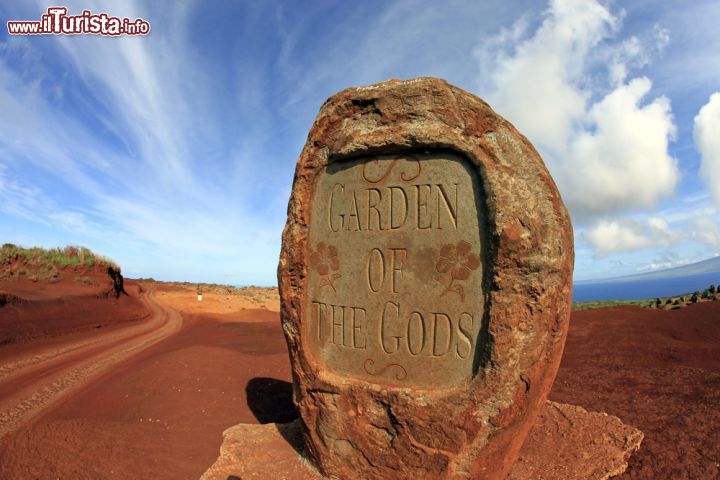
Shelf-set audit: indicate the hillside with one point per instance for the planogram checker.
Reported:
(709, 265)
(48, 292)
(20, 265)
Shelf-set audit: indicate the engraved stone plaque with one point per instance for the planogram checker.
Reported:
(425, 281)
(395, 279)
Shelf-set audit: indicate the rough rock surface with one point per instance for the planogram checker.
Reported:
(258, 452)
(571, 443)
(474, 423)
(567, 443)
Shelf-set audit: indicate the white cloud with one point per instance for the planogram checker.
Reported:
(707, 232)
(629, 235)
(707, 141)
(666, 262)
(632, 235)
(566, 88)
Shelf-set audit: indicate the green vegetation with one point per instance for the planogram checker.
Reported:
(607, 303)
(42, 262)
(221, 289)
(665, 303)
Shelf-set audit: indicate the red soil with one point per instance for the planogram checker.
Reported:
(35, 376)
(80, 299)
(658, 371)
(161, 413)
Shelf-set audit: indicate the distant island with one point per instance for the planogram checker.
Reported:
(671, 282)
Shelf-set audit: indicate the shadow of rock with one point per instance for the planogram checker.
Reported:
(271, 400)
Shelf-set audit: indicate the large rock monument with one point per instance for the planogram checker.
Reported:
(425, 280)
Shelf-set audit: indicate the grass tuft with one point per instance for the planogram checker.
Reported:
(48, 260)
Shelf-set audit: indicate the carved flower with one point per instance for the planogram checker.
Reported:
(458, 259)
(324, 258)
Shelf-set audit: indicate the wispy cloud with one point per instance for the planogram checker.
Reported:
(18, 199)
(127, 131)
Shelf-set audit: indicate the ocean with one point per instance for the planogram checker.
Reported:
(640, 289)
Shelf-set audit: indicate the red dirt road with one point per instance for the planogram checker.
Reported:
(161, 413)
(44, 374)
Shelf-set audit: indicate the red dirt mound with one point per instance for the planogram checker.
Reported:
(78, 298)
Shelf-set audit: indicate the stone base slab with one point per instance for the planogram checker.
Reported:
(567, 442)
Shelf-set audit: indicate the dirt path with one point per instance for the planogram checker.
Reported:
(161, 413)
(32, 384)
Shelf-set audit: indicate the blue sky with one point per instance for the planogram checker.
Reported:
(174, 153)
